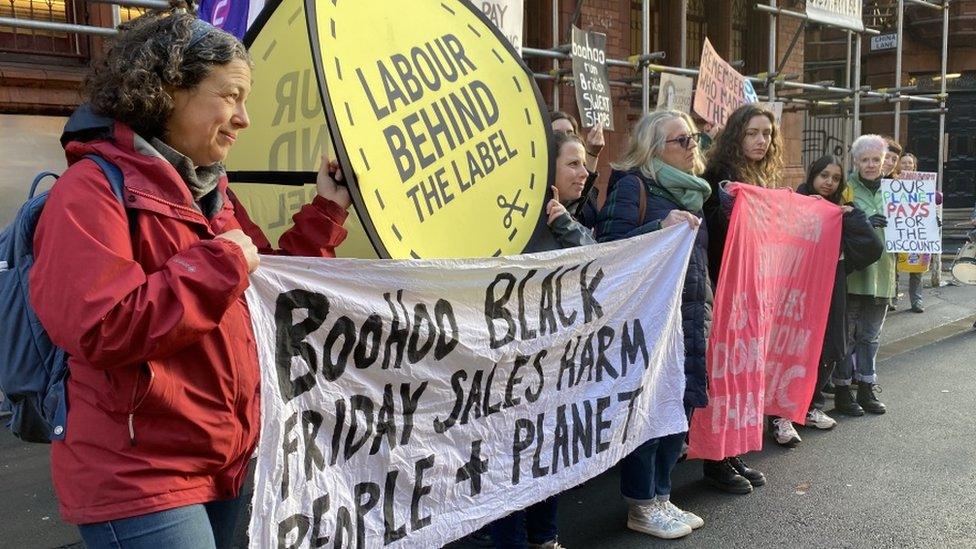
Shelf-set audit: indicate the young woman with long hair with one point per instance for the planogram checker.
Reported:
(749, 150)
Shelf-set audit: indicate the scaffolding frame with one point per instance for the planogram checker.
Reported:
(812, 95)
(828, 95)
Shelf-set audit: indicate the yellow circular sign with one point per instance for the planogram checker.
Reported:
(440, 122)
(288, 135)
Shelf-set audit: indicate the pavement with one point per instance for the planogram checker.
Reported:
(904, 479)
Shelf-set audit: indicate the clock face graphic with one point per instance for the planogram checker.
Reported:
(439, 122)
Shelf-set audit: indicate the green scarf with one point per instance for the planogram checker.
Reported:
(688, 190)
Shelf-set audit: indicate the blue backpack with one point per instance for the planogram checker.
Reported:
(33, 371)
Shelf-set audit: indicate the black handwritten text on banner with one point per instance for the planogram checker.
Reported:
(407, 403)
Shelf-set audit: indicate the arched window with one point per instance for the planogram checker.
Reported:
(740, 18)
(636, 11)
(697, 30)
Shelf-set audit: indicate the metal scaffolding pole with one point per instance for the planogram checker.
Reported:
(771, 86)
(555, 46)
(856, 129)
(56, 27)
(898, 53)
(645, 51)
(848, 129)
(684, 33)
(908, 112)
(937, 259)
(943, 92)
(150, 4)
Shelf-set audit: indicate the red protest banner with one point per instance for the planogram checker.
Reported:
(771, 310)
(721, 89)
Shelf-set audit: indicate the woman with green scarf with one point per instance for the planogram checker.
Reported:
(656, 180)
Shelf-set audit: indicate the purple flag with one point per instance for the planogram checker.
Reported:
(229, 15)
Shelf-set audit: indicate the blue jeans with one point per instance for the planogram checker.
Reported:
(865, 318)
(201, 526)
(535, 524)
(915, 289)
(645, 474)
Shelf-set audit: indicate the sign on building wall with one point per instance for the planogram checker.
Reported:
(590, 74)
(884, 42)
(675, 92)
(836, 12)
(721, 89)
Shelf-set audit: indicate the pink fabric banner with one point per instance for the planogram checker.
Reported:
(771, 310)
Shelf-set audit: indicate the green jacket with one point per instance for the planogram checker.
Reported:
(878, 279)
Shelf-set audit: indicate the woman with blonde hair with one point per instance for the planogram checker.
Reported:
(656, 184)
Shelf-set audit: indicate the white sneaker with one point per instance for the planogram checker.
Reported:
(653, 519)
(820, 420)
(784, 432)
(684, 517)
(547, 545)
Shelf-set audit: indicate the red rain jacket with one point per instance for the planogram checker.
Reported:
(163, 394)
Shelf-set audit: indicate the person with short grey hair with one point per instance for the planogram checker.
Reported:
(145, 291)
(870, 290)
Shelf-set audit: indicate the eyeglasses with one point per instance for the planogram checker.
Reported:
(685, 141)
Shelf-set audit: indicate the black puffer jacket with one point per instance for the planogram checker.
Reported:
(619, 219)
(859, 247)
(716, 217)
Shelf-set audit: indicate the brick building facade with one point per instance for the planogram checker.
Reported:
(921, 63)
(41, 74)
(738, 32)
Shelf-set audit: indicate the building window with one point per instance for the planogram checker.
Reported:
(697, 30)
(45, 42)
(635, 26)
(127, 13)
(740, 19)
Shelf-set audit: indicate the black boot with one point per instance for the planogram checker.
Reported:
(867, 400)
(723, 476)
(844, 401)
(752, 475)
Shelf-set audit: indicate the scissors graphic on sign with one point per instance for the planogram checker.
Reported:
(512, 207)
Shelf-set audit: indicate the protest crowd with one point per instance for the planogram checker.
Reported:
(158, 329)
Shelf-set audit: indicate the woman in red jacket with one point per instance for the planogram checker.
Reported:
(148, 299)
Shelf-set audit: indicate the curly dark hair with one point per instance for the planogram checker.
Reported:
(725, 154)
(152, 55)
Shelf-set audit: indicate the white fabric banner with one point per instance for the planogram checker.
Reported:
(507, 16)
(408, 403)
(836, 12)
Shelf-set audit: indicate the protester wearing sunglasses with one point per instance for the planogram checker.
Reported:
(656, 184)
(686, 141)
